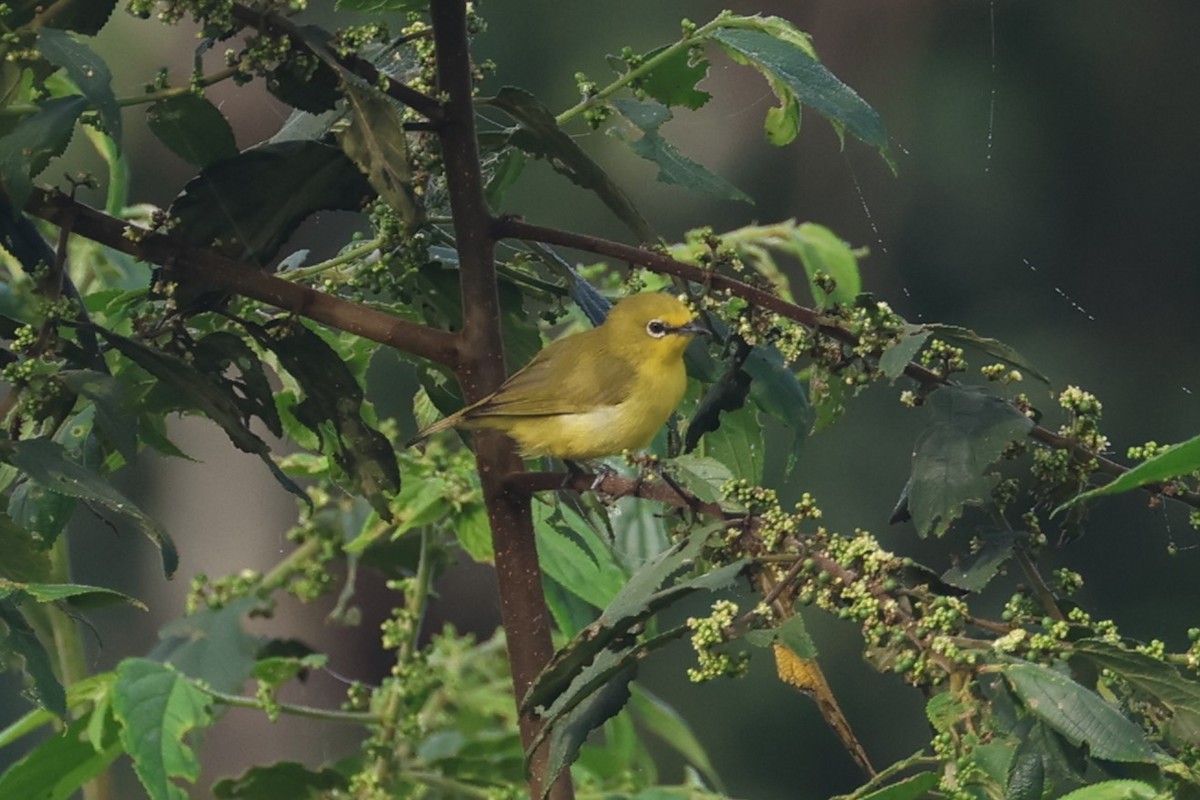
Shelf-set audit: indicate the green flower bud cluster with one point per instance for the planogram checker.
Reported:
(942, 358)
(1147, 451)
(773, 523)
(204, 593)
(876, 326)
(709, 635)
(1001, 373)
(1084, 425)
(1068, 581)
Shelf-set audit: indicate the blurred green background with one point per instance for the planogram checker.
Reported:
(1047, 196)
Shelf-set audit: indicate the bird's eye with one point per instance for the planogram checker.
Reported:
(656, 328)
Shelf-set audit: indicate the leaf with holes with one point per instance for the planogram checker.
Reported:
(673, 81)
(375, 140)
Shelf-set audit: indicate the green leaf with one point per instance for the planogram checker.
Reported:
(1079, 715)
(85, 18)
(913, 788)
(540, 136)
(44, 689)
(783, 61)
(1115, 790)
(24, 559)
(252, 203)
(725, 396)
(674, 167)
(58, 767)
(242, 373)
(896, 358)
(211, 645)
(375, 140)
(41, 512)
(976, 570)
(285, 780)
(53, 592)
(703, 476)
(1176, 461)
(793, 634)
(673, 82)
(157, 707)
(308, 87)
(39, 137)
(827, 396)
(333, 408)
(968, 432)
(192, 128)
(593, 575)
(381, 6)
(48, 464)
(88, 72)
(505, 173)
(820, 250)
(667, 724)
(738, 444)
(953, 334)
(474, 533)
(1157, 680)
(115, 415)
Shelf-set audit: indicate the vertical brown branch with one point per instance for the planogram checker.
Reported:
(481, 369)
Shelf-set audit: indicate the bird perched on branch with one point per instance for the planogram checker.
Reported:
(594, 393)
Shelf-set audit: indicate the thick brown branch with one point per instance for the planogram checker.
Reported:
(512, 228)
(208, 268)
(423, 104)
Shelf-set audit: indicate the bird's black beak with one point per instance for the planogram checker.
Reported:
(693, 328)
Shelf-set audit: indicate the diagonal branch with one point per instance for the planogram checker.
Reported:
(205, 266)
(512, 228)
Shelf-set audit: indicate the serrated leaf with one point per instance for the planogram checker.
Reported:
(976, 570)
(913, 788)
(37, 138)
(894, 360)
(376, 141)
(968, 432)
(24, 559)
(48, 464)
(88, 72)
(1115, 790)
(285, 780)
(40, 511)
(1176, 461)
(674, 167)
(1079, 715)
(192, 128)
(821, 251)
(242, 372)
(790, 64)
(564, 559)
(58, 767)
(673, 81)
(540, 136)
(211, 645)
(474, 534)
(157, 707)
(738, 444)
(1160, 681)
(793, 634)
(703, 476)
(114, 414)
(252, 203)
(44, 688)
(53, 592)
(333, 397)
(953, 334)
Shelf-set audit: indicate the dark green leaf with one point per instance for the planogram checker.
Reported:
(667, 724)
(285, 780)
(812, 83)
(673, 82)
(674, 167)
(570, 733)
(726, 395)
(896, 358)
(24, 559)
(252, 203)
(1177, 461)
(540, 136)
(375, 140)
(703, 476)
(381, 6)
(504, 175)
(1156, 679)
(739, 444)
(211, 395)
(53, 592)
(157, 707)
(954, 334)
(211, 645)
(310, 88)
(41, 136)
(47, 463)
(88, 72)
(1079, 715)
(21, 641)
(39, 511)
(333, 402)
(58, 767)
(115, 415)
(913, 788)
(222, 352)
(968, 432)
(976, 570)
(793, 634)
(192, 128)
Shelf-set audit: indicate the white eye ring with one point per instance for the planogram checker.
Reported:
(656, 328)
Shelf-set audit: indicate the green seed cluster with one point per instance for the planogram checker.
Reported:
(710, 633)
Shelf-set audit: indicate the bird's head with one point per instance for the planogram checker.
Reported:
(655, 325)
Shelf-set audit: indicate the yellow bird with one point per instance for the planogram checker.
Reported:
(594, 393)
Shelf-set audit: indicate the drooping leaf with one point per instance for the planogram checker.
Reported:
(284, 780)
(977, 569)
(192, 128)
(968, 432)
(784, 63)
(157, 707)
(896, 358)
(1155, 679)
(88, 72)
(1078, 714)
(375, 140)
(540, 136)
(211, 645)
(21, 641)
(53, 592)
(58, 767)
(333, 403)
(725, 396)
(703, 476)
(669, 725)
(674, 167)
(230, 356)
(954, 334)
(114, 413)
(673, 82)
(39, 137)
(571, 553)
(48, 464)
(1176, 461)
(252, 203)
